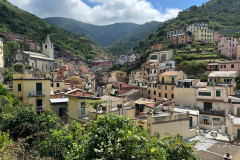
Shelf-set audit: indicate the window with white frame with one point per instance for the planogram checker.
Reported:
(82, 109)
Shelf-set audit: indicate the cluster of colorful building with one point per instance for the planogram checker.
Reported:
(227, 46)
(157, 96)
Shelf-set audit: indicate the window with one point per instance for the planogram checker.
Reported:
(207, 106)
(39, 102)
(172, 80)
(165, 87)
(19, 87)
(82, 109)
(218, 93)
(172, 96)
(165, 95)
(46, 66)
(58, 85)
(232, 65)
(154, 93)
(45, 46)
(52, 84)
(149, 91)
(172, 88)
(162, 80)
(159, 94)
(216, 119)
(204, 93)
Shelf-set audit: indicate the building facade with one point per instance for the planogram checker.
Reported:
(228, 47)
(196, 26)
(32, 91)
(204, 35)
(180, 39)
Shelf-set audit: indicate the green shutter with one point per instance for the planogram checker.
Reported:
(165, 95)
(19, 87)
(204, 93)
(159, 94)
(218, 93)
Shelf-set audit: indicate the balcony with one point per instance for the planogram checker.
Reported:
(235, 119)
(41, 108)
(218, 83)
(212, 112)
(36, 94)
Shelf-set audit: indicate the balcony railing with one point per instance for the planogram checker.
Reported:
(41, 108)
(212, 112)
(218, 83)
(36, 94)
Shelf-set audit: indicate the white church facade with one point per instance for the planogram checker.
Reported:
(43, 61)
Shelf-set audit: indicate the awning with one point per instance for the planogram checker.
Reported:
(205, 117)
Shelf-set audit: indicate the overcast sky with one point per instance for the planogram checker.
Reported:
(102, 12)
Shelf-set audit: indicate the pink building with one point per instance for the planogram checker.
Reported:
(103, 63)
(228, 47)
(217, 36)
(238, 52)
(229, 66)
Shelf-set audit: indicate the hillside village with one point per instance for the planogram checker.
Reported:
(160, 96)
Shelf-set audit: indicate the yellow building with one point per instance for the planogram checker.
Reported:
(168, 82)
(32, 91)
(120, 75)
(204, 35)
(80, 111)
(58, 86)
(223, 79)
(135, 75)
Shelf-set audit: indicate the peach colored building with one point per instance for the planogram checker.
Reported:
(228, 46)
(179, 39)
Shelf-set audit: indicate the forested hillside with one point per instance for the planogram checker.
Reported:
(13, 19)
(219, 14)
(119, 38)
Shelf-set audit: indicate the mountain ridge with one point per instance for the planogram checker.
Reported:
(119, 38)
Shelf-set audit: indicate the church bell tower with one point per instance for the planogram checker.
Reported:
(47, 48)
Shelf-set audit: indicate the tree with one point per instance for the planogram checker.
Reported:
(238, 81)
(114, 137)
(60, 142)
(95, 104)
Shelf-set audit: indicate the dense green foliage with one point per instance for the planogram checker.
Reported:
(24, 134)
(18, 21)
(113, 137)
(119, 37)
(8, 101)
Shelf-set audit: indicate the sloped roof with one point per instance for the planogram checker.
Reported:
(223, 74)
(171, 73)
(37, 55)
